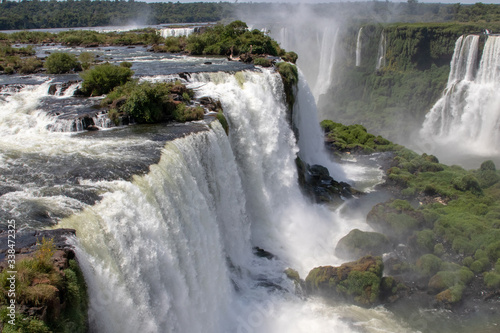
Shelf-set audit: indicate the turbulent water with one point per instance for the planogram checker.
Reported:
(467, 116)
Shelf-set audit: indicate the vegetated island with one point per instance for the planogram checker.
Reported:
(440, 235)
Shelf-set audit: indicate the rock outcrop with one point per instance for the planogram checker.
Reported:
(358, 281)
(359, 243)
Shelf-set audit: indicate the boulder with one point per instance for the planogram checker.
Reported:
(359, 243)
(358, 281)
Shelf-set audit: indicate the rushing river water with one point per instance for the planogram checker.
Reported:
(167, 215)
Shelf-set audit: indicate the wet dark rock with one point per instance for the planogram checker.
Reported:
(63, 87)
(317, 183)
(263, 253)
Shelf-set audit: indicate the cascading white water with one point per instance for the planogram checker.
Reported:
(175, 32)
(382, 46)
(326, 61)
(467, 116)
(157, 248)
(358, 47)
(322, 47)
(311, 137)
(172, 249)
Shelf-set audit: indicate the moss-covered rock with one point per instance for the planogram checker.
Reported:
(359, 243)
(290, 77)
(357, 281)
(397, 219)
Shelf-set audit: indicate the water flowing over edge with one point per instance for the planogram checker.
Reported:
(175, 244)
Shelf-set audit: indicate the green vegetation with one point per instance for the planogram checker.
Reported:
(59, 14)
(449, 216)
(60, 63)
(290, 76)
(44, 288)
(152, 102)
(18, 59)
(354, 138)
(233, 38)
(264, 62)
(103, 78)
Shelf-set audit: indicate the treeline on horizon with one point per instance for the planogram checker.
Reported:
(38, 14)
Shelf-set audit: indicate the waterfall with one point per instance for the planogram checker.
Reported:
(358, 47)
(311, 136)
(322, 46)
(467, 116)
(328, 44)
(382, 46)
(172, 248)
(175, 32)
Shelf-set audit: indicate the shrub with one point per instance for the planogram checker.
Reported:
(87, 59)
(30, 65)
(438, 249)
(103, 78)
(426, 240)
(126, 64)
(185, 113)
(264, 62)
(492, 279)
(149, 103)
(467, 183)
(488, 165)
(428, 264)
(290, 57)
(60, 62)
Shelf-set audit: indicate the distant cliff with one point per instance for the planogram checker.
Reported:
(401, 73)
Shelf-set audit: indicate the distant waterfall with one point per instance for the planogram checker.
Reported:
(358, 47)
(382, 47)
(176, 32)
(312, 42)
(326, 61)
(468, 113)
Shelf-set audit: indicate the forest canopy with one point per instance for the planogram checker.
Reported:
(38, 14)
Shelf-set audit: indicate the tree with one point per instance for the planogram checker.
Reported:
(60, 62)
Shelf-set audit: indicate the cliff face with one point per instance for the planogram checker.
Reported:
(402, 72)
